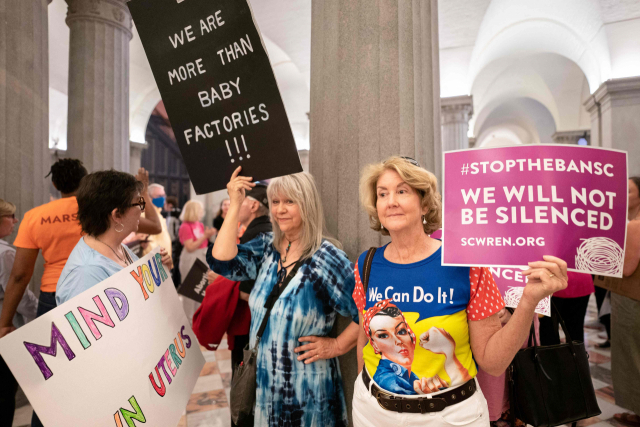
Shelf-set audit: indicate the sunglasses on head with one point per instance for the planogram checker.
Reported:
(411, 160)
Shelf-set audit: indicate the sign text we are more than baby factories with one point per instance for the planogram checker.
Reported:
(218, 88)
(512, 205)
(120, 354)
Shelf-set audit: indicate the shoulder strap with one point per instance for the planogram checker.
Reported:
(367, 269)
(126, 255)
(273, 297)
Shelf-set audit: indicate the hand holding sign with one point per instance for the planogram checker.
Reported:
(545, 278)
(218, 88)
(237, 186)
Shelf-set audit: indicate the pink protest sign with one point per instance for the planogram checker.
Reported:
(504, 207)
(511, 283)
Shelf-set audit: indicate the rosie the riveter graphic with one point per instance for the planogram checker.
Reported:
(392, 338)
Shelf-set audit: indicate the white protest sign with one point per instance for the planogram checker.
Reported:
(121, 353)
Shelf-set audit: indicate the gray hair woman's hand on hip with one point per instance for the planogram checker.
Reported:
(544, 278)
(318, 348)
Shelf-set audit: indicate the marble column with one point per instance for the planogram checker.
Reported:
(135, 158)
(24, 104)
(98, 118)
(614, 109)
(456, 112)
(375, 92)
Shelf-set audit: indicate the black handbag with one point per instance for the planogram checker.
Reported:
(551, 385)
(243, 384)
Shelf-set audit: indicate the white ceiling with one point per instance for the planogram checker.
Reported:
(503, 52)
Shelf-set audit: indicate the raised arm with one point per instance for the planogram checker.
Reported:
(225, 247)
(150, 224)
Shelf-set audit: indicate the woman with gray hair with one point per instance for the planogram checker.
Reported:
(305, 390)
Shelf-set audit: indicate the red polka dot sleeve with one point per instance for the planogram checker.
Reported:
(358, 291)
(486, 299)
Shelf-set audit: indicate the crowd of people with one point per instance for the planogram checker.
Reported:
(419, 363)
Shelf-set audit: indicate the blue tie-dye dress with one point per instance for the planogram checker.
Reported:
(290, 393)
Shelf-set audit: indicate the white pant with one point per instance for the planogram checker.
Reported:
(472, 412)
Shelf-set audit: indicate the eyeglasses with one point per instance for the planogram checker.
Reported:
(12, 216)
(141, 203)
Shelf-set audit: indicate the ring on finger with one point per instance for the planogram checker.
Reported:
(551, 275)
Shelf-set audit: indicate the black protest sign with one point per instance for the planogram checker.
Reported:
(218, 88)
(194, 285)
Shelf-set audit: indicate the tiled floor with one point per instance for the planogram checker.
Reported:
(209, 403)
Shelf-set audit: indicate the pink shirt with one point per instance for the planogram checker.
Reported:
(192, 231)
(496, 389)
(580, 285)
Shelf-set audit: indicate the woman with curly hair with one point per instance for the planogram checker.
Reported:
(452, 310)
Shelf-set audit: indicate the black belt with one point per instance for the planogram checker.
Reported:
(421, 405)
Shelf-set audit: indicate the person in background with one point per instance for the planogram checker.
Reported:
(572, 306)
(496, 389)
(605, 319)
(162, 239)
(625, 321)
(52, 228)
(172, 216)
(221, 215)
(195, 238)
(254, 216)
(109, 208)
(26, 311)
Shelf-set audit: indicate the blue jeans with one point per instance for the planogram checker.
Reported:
(46, 303)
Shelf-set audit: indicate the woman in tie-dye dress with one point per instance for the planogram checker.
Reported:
(298, 375)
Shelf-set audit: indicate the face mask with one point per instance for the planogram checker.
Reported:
(159, 202)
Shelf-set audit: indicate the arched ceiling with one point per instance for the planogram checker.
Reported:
(554, 81)
(483, 46)
(519, 120)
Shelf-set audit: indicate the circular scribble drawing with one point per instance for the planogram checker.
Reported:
(514, 294)
(600, 255)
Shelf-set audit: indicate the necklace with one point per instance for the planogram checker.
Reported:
(113, 250)
(286, 252)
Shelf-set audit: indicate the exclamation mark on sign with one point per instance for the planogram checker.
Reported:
(230, 155)
(235, 140)
(451, 296)
(245, 147)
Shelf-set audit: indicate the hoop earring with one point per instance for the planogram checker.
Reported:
(424, 220)
(121, 230)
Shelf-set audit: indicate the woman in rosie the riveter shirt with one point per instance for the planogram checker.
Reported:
(424, 325)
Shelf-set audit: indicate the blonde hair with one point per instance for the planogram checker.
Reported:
(301, 189)
(421, 180)
(192, 211)
(7, 208)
